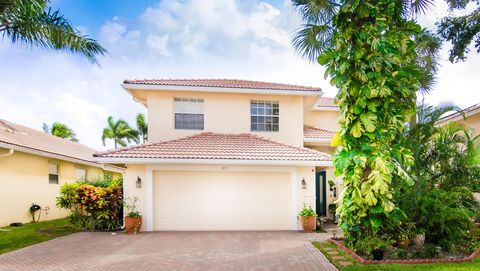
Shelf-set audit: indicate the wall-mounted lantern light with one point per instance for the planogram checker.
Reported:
(138, 182)
(304, 184)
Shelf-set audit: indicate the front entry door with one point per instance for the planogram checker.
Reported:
(321, 193)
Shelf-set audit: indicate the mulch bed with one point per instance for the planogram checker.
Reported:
(339, 244)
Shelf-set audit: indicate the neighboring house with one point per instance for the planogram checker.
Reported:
(469, 116)
(34, 165)
(229, 154)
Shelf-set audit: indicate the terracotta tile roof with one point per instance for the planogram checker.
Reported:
(317, 133)
(31, 139)
(326, 103)
(221, 83)
(467, 112)
(219, 146)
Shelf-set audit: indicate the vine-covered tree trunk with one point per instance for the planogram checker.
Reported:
(373, 66)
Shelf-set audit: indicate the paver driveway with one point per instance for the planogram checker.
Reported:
(172, 251)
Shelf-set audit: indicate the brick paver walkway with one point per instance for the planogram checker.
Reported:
(172, 251)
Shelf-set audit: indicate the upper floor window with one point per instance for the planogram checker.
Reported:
(264, 116)
(52, 173)
(188, 113)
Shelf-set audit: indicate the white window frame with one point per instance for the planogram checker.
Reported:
(53, 171)
(189, 106)
(264, 116)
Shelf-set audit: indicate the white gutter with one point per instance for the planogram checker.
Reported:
(151, 161)
(10, 152)
(130, 87)
(56, 156)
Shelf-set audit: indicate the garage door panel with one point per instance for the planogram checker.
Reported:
(221, 201)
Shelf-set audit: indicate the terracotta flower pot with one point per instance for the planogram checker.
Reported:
(133, 224)
(308, 223)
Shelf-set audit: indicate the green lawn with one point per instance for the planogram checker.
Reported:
(355, 266)
(33, 233)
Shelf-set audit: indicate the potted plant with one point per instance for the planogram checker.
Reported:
(332, 209)
(373, 246)
(419, 238)
(133, 219)
(307, 217)
(404, 235)
(331, 183)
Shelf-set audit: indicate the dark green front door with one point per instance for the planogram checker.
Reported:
(321, 193)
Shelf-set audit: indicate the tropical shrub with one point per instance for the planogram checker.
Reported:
(430, 251)
(367, 245)
(400, 254)
(99, 207)
(446, 170)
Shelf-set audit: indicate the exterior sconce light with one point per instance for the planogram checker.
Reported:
(138, 183)
(304, 184)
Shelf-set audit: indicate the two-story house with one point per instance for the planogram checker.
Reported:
(229, 154)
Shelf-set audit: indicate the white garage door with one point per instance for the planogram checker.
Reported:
(221, 201)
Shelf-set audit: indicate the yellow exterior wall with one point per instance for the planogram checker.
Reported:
(24, 180)
(473, 122)
(225, 113)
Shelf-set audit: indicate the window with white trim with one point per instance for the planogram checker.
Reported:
(188, 113)
(80, 174)
(264, 116)
(52, 173)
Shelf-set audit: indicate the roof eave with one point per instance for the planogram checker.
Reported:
(458, 116)
(327, 108)
(165, 161)
(130, 87)
(59, 157)
(317, 140)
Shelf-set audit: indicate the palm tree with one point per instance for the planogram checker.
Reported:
(142, 127)
(34, 22)
(119, 131)
(315, 35)
(60, 130)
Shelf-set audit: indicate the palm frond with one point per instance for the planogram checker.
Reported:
(316, 11)
(428, 46)
(31, 22)
(419, 6)
(311, 40)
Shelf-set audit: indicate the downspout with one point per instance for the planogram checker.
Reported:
(9, 153)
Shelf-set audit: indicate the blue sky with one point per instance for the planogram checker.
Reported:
(173, 39)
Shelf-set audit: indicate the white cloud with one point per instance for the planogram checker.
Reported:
(112, 31)
(159, 44)
(175, 39)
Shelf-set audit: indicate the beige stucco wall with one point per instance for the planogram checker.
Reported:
(24, 180)
(130, 190)
(327, 120)
(225, 113)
